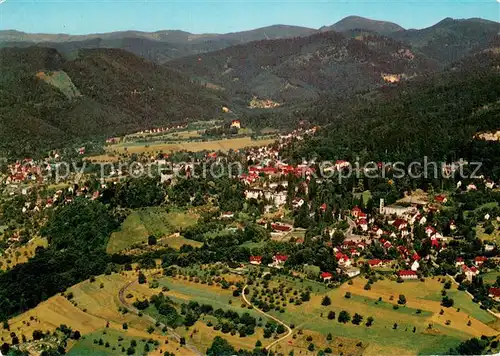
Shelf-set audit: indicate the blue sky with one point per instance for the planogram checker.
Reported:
(207, 16)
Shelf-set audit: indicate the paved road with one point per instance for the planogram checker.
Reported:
(130, 308)
(275, 342)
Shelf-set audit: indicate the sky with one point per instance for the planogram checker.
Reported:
(208, 16)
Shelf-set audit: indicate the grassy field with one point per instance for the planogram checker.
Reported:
(119, 343)
(12, 257)
(490, 277)
(104, 158)
(381, 337)
(493, 237)
(152, 221)
(216, 145)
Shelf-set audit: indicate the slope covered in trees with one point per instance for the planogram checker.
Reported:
(436, 117)
(290, 70)
(119, 92)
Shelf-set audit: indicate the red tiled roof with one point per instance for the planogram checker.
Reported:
(440, 198)
(494, 291)
(281, 258)
(255, 258)
(326, 275)
(407, 273)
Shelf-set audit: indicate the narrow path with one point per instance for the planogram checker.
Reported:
(275, 342)
(130, 308)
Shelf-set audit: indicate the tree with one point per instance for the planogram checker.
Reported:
(220, 347)
(402, 299)
(326, 301)
(395, 326)
(357, 319)
(258, 343)
(280, 329)
(347, 295)
(331, 315)
(369, 321)
(141, 278)
(311, 347)
(152, 240)
(447, 302)
(344, 317)
(37, 334)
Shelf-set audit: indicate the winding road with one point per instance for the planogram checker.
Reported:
(275, 342)
(130, 308)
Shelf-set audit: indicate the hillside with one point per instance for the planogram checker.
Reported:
(437, 116)
(48, 99)
(450, 40)
(356, 22)
(299, 69)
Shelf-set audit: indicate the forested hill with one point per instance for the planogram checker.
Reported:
(47, 99)
(290, 70)
(436, 116)
(450, 40)
(356, 22)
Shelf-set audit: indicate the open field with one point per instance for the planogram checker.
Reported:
(381, 337)
(493, 237)
(94, 304)
(104, 158)
(216, 145)
(183, 291)
(90, 309)
(152, 221)
(119, 343)
(490, 277)
(12, 257)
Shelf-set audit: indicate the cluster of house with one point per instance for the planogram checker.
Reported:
(160, 130)
(23, 171)
(470, 271)
(60, 197)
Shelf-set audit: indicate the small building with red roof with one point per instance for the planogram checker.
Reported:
(256, 260)
(326, 276)
(407, 274)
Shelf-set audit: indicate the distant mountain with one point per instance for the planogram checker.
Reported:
(159, 46)
(172, 36)
(290, 70)
(445, 42)
(356, 22)
(47, 99)
(450, 40)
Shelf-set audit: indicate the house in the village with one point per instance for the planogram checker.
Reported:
(470, 272)
(494, 293)
(326, 276)
(479, 260)
(278, 261)
(256, 260)
(407, 274)
(352, 272)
